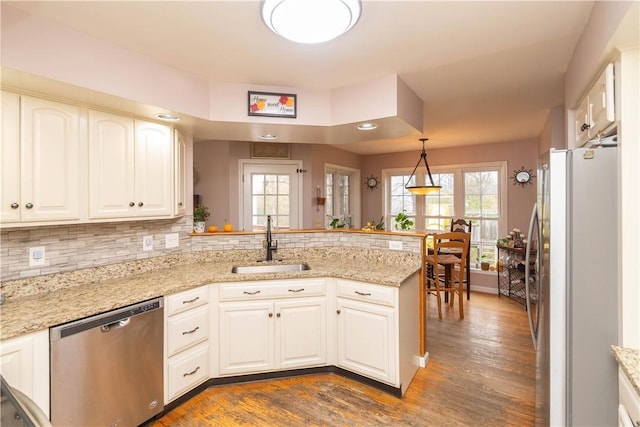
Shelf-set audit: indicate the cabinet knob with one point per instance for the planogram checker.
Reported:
(29, 205)
(270, 314)
(338, 311)
(132, 204)
(180, 204)
(584, 127)
(14, 205)
(140, 204)
(278, 315)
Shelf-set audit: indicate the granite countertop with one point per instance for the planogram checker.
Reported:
(30, 313)
(629, 361)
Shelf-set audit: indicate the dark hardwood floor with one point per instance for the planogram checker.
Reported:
(481, 373)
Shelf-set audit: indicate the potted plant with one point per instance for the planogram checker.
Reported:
(336, 223)
(200, 215)
(484, 265)
(403, 221)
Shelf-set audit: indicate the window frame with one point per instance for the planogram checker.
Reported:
(458, 171)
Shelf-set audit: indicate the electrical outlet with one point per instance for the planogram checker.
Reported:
(37, 256)
(147, 243)
(171, 240)
(395, 245)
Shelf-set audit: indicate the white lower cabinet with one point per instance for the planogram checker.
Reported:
(377, 330)
(24, 364)
(187, 350)
(265, 326)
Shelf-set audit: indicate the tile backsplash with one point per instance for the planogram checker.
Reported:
(76, 247)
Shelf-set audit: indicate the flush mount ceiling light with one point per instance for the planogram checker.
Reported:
(310, 21)
(367, 126)
(167, 117)
(268, 136)
(423, 189)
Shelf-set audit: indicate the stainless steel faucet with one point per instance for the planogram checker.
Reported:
(272, 246)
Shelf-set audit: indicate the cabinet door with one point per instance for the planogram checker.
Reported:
(366, 337)
(111, 166)
(583, 123)
(153, 169)
(24, 364)
(301, 333)
(10, 160)
(601, 102)
(246, 337)
(50, 141)
(180, 178)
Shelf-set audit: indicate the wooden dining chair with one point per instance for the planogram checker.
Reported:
(462, 226)
(449, 253)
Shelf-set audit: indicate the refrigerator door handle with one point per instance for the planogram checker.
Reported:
(533, 327)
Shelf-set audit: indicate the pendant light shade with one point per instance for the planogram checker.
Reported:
(310, 21)
(423, 189)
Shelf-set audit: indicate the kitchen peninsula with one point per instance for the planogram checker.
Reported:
(352, 278)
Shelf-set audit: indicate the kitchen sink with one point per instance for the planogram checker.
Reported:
(270, 268)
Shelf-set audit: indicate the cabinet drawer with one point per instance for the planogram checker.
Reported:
(187, 329)
(188, 370)
(187, 300)
(272, 289)
(378, 294)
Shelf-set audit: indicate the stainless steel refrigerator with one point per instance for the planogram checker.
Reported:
(572, 290)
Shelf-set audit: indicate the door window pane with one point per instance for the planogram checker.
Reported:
(270, 197)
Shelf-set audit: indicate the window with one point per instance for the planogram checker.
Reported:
(270, 189)
(474, 192)
(343, 201)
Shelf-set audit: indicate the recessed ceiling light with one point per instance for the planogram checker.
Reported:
(268, 136)
(168, 117)
(367, 126)
(310, 21)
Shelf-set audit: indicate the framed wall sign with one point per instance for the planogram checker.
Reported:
(269, 104)
(269, 150)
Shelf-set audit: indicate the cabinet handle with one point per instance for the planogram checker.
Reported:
(584, 127)
(28, 205)
(270, 314)
(338, 311)
(296, 290)
(140, 204)
(132, 204)
(367, 294)
(189, 301)
(191, 331)
(251, 293)
(14, 205)
(192, 372)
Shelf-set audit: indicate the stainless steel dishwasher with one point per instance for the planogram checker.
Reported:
(106, 370)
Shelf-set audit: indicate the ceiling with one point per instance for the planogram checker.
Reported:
(486, 71)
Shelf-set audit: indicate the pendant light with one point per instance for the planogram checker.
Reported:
(423, 189)
(310, 21)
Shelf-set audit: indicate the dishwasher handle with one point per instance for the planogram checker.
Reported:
(117, 324)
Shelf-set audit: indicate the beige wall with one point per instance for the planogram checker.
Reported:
(516, 154)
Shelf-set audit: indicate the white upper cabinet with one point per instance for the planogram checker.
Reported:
(153, 169)
(44, 182)
(10, 161)
(596, 111)
(130, 167)
(180, 154)
(111, 166)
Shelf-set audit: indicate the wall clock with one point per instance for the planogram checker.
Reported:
(522, 176)
(372, 182)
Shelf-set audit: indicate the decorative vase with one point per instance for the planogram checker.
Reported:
(198, 226)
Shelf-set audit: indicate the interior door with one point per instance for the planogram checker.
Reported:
(271, 189)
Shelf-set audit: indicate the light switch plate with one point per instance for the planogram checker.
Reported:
(37, 256)
(171, 240)
(395, 245)
(147, 243)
